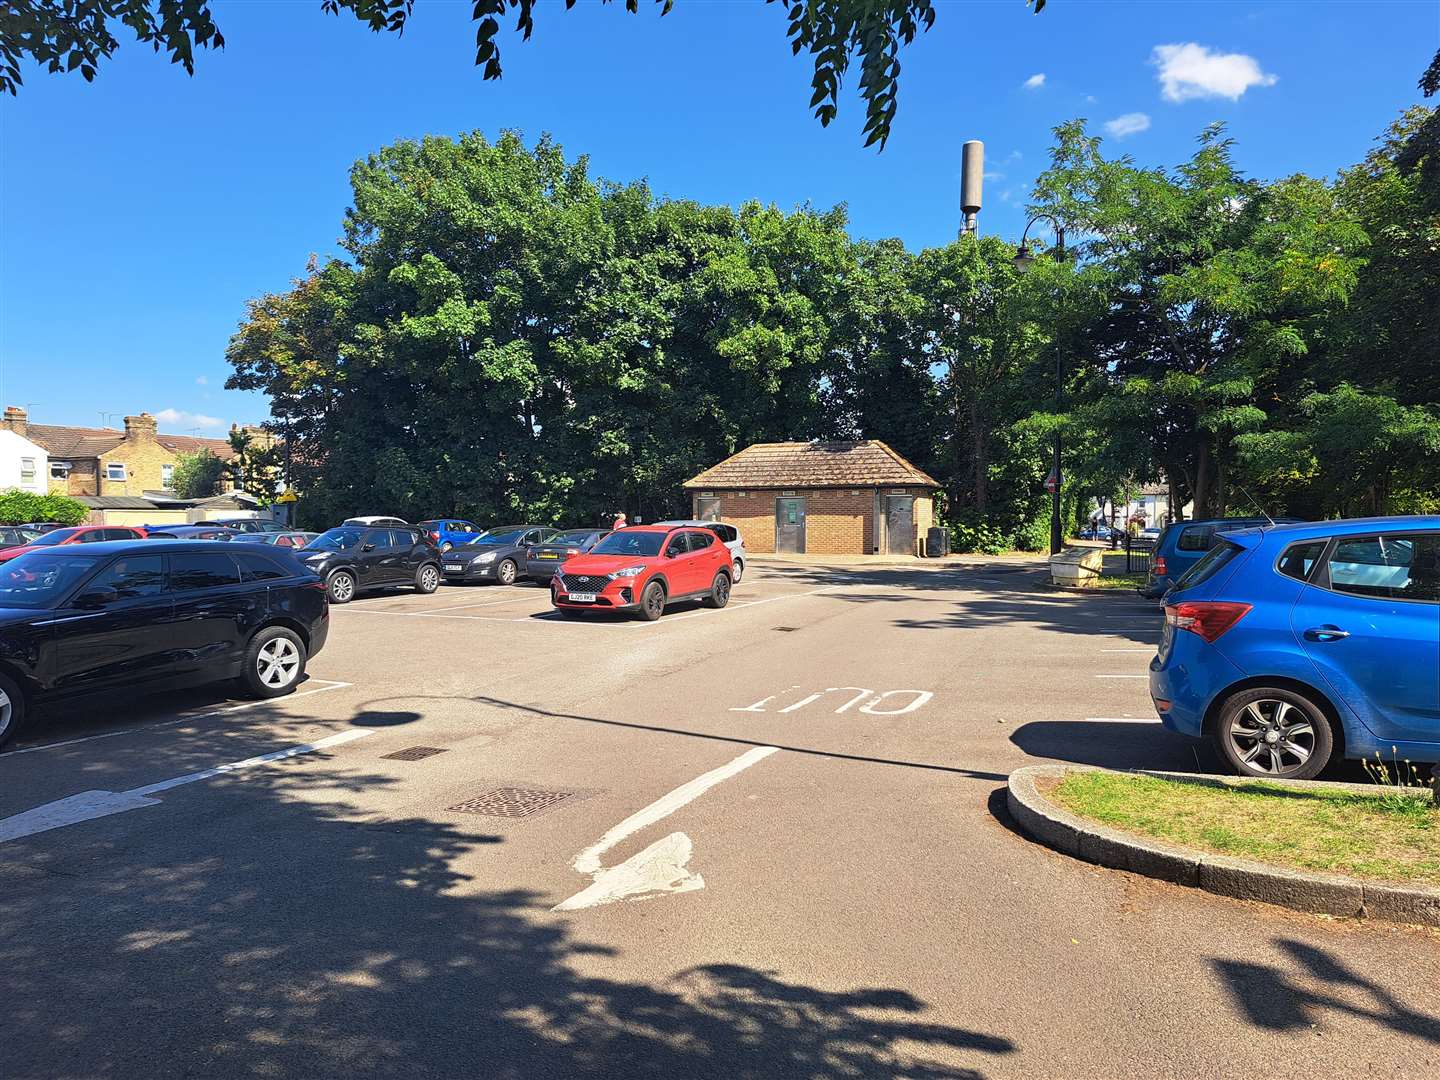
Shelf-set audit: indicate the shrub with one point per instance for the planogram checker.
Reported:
(18, 507)
(1034, 535)
(969, 533)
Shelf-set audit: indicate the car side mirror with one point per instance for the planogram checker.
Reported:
(671, 553)
(97, 598)
(367, 547)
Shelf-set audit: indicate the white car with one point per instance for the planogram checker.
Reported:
(728, 534)
(364, 521)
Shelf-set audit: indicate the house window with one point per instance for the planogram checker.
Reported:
(27, 470)
(59, 470)
(115, 470)
(167, 474)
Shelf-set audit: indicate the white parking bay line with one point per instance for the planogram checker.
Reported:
(89, 805)
(1122, 676)
(178, 720)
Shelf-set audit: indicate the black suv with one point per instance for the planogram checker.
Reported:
(106, 617)
(356, 558)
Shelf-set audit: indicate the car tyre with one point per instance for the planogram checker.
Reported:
(719, 591)
(652, 602)
(427, 579)
(274, 662)
(739, 571)
(14, 709)
(505, 573)
(340, 587)
(1275, 733)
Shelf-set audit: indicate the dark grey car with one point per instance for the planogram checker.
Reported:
(497, 555)
(544, 560)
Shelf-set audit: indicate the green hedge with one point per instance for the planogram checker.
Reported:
(18, 507)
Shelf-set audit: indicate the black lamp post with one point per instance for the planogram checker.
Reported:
(1023, 259)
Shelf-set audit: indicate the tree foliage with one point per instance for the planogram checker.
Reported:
(197, 475)
(71, 35)
(18, 507)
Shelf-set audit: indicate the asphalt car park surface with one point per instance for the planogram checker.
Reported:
(762, 841)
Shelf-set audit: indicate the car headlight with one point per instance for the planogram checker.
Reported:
(628, 572)
(487, 557)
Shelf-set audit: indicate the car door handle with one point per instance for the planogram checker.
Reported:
(1325, 633)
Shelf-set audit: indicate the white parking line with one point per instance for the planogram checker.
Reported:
(1121, 720)
(737, 606)
(1128, 650)
(178, 720)
(1122, 676)
(89, 805)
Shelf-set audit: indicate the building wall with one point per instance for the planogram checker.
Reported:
(137, 517)
(81, 480)
(15, 450)
(838, 521)
(142, 457)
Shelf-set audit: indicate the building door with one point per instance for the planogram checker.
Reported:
(900, 524)
(707, 508)
(790, 526)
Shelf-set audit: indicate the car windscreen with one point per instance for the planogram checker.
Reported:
(502, 538)
(341, 539)
(50, 539)
(628, 542)
(38, 579)
(1209, 565)
(574, 536)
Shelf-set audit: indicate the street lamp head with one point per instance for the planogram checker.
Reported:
(1023, 257)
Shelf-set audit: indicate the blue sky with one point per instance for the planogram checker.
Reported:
(138, 213)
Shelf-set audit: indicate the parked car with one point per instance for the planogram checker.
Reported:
(77, 534)
(1182, 544)
(729, 536)
(496, 555)
(16, 536)
(104, 617)
(281, 539)
(543, 560)
(451, 532)
(375, 521)
(190, 532)
(1294, 645)
(1097, 532)
(355, 559)
(248, 525)
(43, 526)
(643, 568)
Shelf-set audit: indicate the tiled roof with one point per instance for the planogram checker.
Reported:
(62, 441)
(115, 502)
(813, 465)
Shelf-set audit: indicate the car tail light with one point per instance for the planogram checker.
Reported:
(572, 551)
(1158, 566)
(435, 536)
(1208, 618)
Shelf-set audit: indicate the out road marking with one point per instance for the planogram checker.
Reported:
(859, 693)
(663, 866)
(178, 720)
(89, 805)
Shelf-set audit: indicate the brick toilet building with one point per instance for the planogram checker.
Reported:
(838, 498)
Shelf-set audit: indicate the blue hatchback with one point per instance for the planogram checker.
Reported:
(447, 533)
(1295, 644)
(1183, 544)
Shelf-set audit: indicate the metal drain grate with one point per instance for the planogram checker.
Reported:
(513, 802)
(786, 629)
(414, 753)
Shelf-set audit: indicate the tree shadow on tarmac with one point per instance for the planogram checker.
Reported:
(1274, 1000)
(266, 927)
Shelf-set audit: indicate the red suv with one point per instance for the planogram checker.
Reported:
(643, 568)
(80, 534)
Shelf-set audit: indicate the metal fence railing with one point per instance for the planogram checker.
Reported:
(1138, 550)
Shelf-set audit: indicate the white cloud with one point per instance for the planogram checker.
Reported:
(1035, 82)
(1192, 71)
(201, 380)
(1132, 123)
(1091, 99)
(182, 419)
(990, 175)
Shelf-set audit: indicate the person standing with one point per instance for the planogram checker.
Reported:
(620, 521)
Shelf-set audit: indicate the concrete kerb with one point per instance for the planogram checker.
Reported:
(1242, 879)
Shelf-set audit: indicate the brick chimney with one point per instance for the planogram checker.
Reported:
(140, 428)
(15, 419)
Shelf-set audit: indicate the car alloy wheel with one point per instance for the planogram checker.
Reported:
(342, 588)
(429, 579)
(7, 714)
(278, 663)
(505, 572)
(739, 571)
(652, 602)
(1271, 736)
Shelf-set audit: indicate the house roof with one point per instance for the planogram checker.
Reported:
(63, 441)
(813, 465)
(115, 502)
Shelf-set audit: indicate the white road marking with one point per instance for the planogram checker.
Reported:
(661, 867)
(1122, 676)
(1121, 720)
(664, 619)
(1128, 650)
(178, 720)
(89, 805)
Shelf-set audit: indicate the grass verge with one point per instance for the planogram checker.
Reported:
(1392, 835)
(1123, 582)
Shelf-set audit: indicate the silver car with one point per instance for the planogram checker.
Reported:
(728, 534)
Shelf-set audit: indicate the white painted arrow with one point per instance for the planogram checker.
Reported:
(663, 867)
(89, 805)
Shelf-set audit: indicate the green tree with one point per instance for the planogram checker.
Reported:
(18, 507)
(71, 35)
(197, 475)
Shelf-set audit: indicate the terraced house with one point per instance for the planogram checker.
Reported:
(84, 461)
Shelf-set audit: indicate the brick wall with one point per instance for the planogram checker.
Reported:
(838, 521)
(142, 457)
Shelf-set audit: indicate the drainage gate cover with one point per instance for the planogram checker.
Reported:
(414, 753)
(513, 802)
(787, 629)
